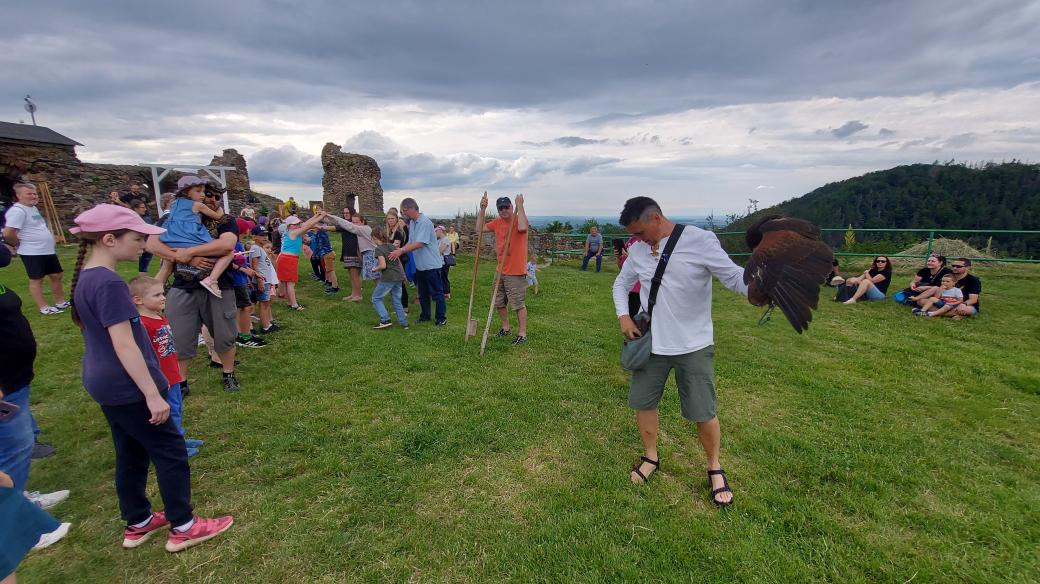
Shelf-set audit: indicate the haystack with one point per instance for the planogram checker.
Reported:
(951, 248)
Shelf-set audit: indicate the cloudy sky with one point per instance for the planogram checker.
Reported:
(578, 104)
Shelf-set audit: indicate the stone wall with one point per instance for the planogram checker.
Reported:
(351, 180)
(77, 186)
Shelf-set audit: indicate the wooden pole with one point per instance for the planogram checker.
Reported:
(498, 278)
(471, 324)
(50, 211)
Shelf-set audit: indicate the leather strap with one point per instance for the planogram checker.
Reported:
(655, 283)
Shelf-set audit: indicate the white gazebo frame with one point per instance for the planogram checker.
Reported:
(160, 171)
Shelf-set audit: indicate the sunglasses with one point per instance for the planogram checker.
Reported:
(957, 266)
(880, 261)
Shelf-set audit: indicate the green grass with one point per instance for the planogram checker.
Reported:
(877, 447)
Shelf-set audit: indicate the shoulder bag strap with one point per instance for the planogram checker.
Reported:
(655, 283)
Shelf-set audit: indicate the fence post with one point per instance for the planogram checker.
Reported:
(552, 248)
(931, 236)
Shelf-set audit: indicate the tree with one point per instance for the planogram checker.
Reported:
(557, 227)
(587, 226)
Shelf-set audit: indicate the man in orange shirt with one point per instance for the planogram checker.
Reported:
(512, 288)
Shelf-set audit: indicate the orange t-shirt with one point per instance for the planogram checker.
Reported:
(516, 262)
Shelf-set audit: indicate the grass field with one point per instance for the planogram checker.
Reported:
(878, 447)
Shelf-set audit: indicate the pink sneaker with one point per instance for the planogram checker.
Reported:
(202, 530)
(135, 536)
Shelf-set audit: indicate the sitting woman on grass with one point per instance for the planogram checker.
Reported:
(873, 283)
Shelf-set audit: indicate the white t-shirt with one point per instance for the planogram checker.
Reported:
(34, 237)
(263, 264)
(682, 315)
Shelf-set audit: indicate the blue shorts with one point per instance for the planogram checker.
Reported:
(263, 294)
(940, 304)
(874, 294)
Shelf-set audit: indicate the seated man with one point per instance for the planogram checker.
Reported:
(969, 286)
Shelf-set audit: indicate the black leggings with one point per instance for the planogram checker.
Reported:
(319, 267)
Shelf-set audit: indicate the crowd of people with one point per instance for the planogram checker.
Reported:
(936, 290)
(218, 278)
(220, 275)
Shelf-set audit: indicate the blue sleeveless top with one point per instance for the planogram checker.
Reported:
(290, 245)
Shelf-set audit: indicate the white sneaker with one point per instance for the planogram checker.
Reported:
(46, 500)
(52, 537)
(51, 310)
(202, 340)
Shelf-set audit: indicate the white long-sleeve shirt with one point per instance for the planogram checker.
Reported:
(682, 315)
(363, 233)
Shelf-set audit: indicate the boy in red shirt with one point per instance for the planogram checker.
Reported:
(150, 300)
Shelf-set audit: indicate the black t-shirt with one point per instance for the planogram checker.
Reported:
(971, 285)
(400, 238)
(350, 245)
(226, 224)
(17, 344)
(882, 286)
(928, 280)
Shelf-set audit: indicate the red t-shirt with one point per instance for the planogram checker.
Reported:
(515, 263)
(161, 335)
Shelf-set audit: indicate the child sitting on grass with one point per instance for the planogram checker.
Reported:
(184, 229)
(949, 297)
(148, 296)
(391, 281)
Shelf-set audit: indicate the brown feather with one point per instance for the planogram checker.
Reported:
(787, 266)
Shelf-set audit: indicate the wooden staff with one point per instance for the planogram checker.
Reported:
(471, 323)
(498, 278)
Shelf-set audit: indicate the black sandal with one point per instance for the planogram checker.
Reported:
(642, 459)
(723, 489)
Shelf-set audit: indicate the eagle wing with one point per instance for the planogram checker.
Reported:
(787, 266)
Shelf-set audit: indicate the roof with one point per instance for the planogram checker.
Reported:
(30, 133)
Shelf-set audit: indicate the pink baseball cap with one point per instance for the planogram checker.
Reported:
(106, 217)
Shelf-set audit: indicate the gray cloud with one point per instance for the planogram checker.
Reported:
(848, 128)
(284, 164)
(886, 133)
(587, 163)
(467, 54)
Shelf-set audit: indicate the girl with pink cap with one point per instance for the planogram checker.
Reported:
(121, 372)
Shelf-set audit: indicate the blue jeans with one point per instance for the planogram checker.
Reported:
(585, 262)
(176, 401)
(394, 289)
(429, 283)
(16, 440)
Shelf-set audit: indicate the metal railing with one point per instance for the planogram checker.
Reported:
(569, 245)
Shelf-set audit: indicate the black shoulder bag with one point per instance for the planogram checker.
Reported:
(636, 352)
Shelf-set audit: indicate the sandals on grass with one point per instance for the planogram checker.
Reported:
(642, 459)
(723, 489)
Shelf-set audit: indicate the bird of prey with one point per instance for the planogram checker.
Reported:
(787, 266)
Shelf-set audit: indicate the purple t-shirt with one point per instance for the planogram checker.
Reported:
(102, 300)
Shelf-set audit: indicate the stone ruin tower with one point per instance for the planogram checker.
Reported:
(351, 180)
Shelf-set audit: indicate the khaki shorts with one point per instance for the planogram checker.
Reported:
(694, 374)
(188, 310)
(512, 289)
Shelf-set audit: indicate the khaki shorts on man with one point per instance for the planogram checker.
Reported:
(512, 290)
(694, 376)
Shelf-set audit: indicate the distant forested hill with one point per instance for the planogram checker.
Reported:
(940, 196)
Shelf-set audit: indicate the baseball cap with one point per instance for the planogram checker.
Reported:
(106, 217)
(291, 220)
(188, 181)
(503, 203)
(258, 230)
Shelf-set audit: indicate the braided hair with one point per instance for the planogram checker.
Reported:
(86, 240)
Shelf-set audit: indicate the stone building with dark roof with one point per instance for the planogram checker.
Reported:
(36, 153)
